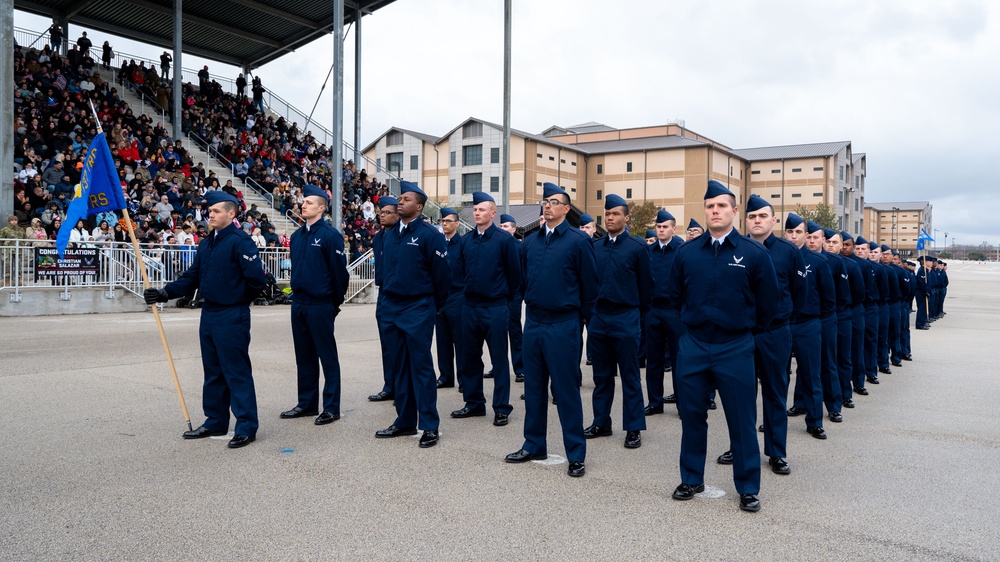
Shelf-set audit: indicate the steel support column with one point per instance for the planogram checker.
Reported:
(337, 187)
(177, 65)
(6, 109)
(357, 85)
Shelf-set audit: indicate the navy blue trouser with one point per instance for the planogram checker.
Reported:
(614, 347)
(807, 343)
(895, 350)
(485, 324)
(883, 335)
(772, 350)
(546, 350)
(662, 327)
(905, 308)
(845, 358)
(409, 326)
(225, 357)
(389, 364)
(857, 348)
(921, 310)
(729, 367)
(830, 375)
(871, 340)
(515, 333)
(448, 332)
(315, 344)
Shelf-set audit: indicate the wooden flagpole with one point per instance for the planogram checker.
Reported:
(146, 284)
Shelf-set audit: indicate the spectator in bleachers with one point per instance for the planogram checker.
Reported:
(106, 54)
(84, 44)
(165, 60)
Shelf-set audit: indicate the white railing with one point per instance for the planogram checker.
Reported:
(362, 274)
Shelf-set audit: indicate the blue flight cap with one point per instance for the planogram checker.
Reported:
(650, 233)
(611, 201)
(445, 211)
(694, 224)
(812, 227)
(886, 248)
(664, 215)
(829, 233)
(845, 236)
(716, 189)
(409, 187)
(550, 189)
(313, 191)
(860, 240)
(482, 197)
(895, 253)
(586, 219)
(756, 203)
(386, 201)
(218, 196)
(920, 259)
(507, 218)
(873, 246)
(792, 221)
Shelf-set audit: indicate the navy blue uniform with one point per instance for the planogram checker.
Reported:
(625, 291)
(871, 322)
(944, 292)
(492, 269)
(905, 307)
(560, 280)
(514, 329)
(723, 293)
(773, 346)
(856, 334)
(319, 284)
(228, 273)
(448, 325)
(663, 324)
(899, 279)
(388, 359)
(922, 292)
(807, 336)
(416, 283)
(836, 327)
(885, 297)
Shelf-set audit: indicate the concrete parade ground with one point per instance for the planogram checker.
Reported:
(94, 468)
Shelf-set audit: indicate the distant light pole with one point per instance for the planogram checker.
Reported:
(946, 241)
(935, 239)
(894, 209)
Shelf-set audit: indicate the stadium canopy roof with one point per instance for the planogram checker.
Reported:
(243, 33)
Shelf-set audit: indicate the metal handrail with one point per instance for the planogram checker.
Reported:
(362, 274)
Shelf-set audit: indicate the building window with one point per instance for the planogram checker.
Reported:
(472, 129)
(628, 166)
(856, 229)
(539, 154)
(378, 163)
(598, 218)
(855, 204)
(538, 184)
(394, 138)
(552, 158)
(472, 155)
(857, 182)
(494, 156)
(495, 184)
(600, 194)
(452, 159)
(451, 187)
(628, 193)
(562, 161)
(796, 195)
(775, 171)
(818, 169)
(754, 172)
(796, 170)
(572, 163)
(472, 183)
(395, 162)
(819, 194)
(600, 168)
(841, 172)
(775, 196)
(840, 197)
(414, 161)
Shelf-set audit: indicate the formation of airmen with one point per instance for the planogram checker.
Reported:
(720, 311)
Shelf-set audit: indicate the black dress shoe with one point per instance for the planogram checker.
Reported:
(650, 410)
(381, 396)
(488, 375)
(861, 391)
(795, 411)
(633, 439)
(521, 455)
(849, 403)
(445, 384)
(522, 397)
(500, 419)
(326, 417)
(836, 417)
(885, 370)
(872, 380)
(590, 362)
(393, 431)
(203, 432)
(712, 405)
(817, 432)
(672, 399)
(241, 441)
(429, 439)
(897, 363)
(749, 502)
(760, 428)
(685, 492)
(519, 377)
(596, 431)
(642, 363)
(576, 469)
(725, 458)
(925, 327)
(907, 357)
(779, 465)
(297, 412)
(468, 413)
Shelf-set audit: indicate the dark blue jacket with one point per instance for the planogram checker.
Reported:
(455, 262)
(624, 273)
(560, 277)
(902, 280)
(416, 263)
(892, 279)
(821, 296)
(377, 255)
(841, 279)
(662, 259)
(790, 270)
(871, 283)
(319, 265)
(491, 266)
(725, 295)
(856, 280)
(226, 270)
(923, 287)
(882, 278)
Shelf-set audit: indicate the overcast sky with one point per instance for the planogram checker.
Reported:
(913, 83)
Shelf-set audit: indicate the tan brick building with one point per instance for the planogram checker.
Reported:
(898, 224)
